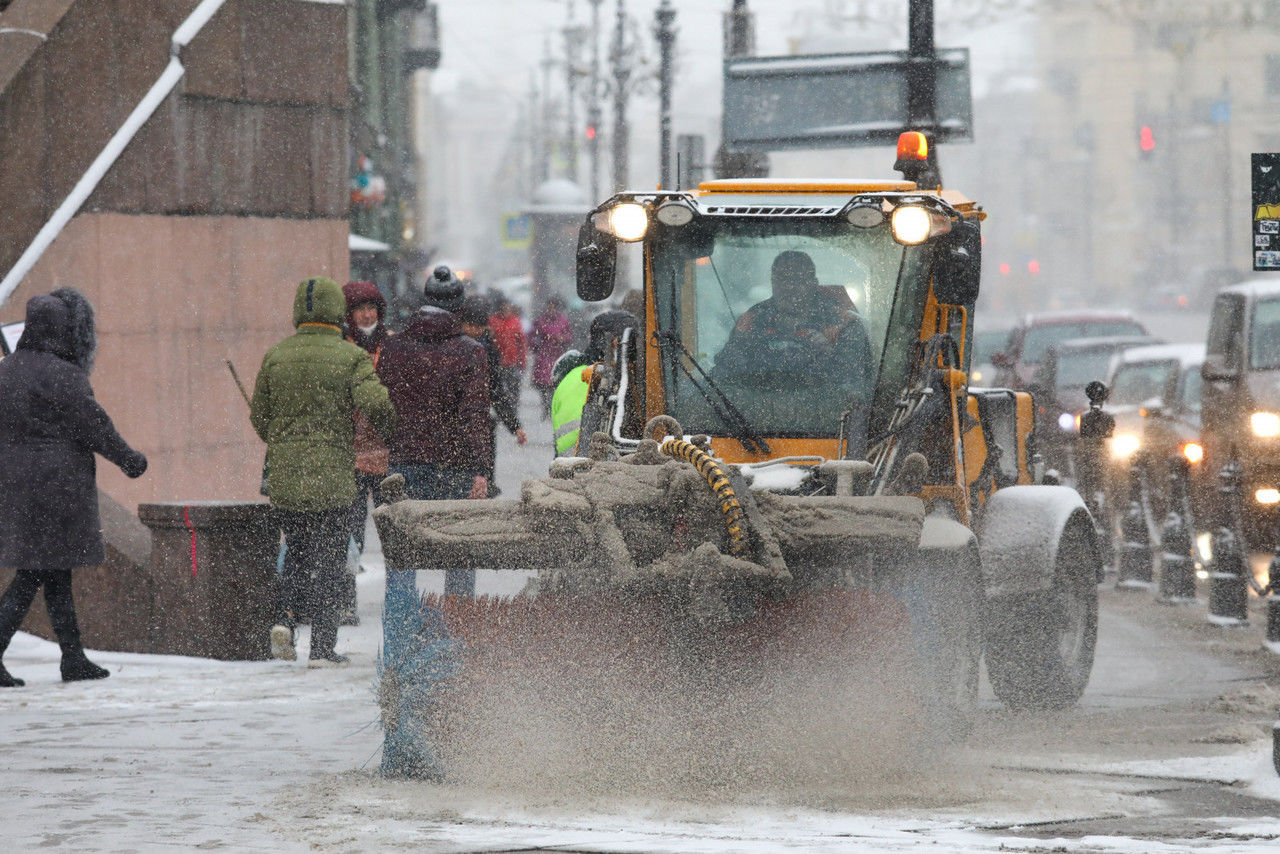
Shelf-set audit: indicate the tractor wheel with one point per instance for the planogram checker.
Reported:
(1040, 651)
(943, 599)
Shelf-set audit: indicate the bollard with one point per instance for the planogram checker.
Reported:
(1177, 565)
(1272, 642)
(1229, 580)
(1275, 746)
(1135, 546)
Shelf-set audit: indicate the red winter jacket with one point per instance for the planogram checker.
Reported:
(508, 334)
(439, 384)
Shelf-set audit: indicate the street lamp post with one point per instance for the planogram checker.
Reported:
(593, 101)
(574, 35)
(620, 54)
(665, 33)
(921, 84)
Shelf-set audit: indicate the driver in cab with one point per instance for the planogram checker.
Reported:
(802, 330)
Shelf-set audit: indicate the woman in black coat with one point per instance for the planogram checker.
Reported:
(50, 428)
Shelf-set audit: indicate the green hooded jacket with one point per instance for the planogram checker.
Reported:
(307, 391)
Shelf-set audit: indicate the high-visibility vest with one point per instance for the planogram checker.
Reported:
(566, 409)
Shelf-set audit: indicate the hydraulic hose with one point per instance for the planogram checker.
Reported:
(735, 520)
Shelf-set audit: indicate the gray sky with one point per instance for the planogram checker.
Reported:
(499, 42)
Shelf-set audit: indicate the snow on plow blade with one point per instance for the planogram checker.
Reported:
(638, 606)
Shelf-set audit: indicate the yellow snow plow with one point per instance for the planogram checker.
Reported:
(782, 471)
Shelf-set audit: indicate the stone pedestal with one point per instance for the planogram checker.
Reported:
(213, 578)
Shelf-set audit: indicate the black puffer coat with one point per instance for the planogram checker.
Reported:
(50, 428)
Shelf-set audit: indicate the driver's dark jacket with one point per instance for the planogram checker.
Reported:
(824, 337)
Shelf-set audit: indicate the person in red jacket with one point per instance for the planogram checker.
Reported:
(507, 328)
(438, 379)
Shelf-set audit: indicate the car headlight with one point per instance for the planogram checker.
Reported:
(1193, 451)
(1068, 423)
(1267, 495)
(1124, 444)
(1266, 425)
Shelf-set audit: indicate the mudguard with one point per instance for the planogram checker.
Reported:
(1018, 536)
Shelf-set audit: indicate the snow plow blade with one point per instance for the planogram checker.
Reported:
(638, 602)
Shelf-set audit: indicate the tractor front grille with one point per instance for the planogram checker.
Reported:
(773, 210)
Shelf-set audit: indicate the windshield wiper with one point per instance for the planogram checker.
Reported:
(725, 410)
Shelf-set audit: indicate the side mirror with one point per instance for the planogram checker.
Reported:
(957, 265)
(597, 261)
(1216, 368)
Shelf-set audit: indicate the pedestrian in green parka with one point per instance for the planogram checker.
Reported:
(304, 400)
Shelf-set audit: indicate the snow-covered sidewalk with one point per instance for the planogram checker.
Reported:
(191, 754)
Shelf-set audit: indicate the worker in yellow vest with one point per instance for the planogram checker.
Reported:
(572, 377)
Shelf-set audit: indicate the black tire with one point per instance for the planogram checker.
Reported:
(1040, 652)
(943, 598)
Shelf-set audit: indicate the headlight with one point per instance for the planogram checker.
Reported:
(975, 377)
(1193, 451)
(628, 221)
(674, 213)
(1067, 422)
(865, 216)
(1124, 444)
(1267, 495)
(911, 224)
(1266, 425)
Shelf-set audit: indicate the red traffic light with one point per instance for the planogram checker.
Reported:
(1033, 266)
(1147, 139)
(1005, 269)
(591, 131)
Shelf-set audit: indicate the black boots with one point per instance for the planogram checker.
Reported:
(76, 667)
(8, 680)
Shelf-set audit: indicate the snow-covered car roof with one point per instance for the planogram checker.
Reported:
(1253, 288)
(1187, 355)
(1105, 342)
(1052, 318)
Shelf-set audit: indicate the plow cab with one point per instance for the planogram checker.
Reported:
(780, 459)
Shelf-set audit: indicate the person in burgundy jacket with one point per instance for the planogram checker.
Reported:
(439, 384)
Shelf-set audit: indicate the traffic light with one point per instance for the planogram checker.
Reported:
(1146, 140)
(591, 133)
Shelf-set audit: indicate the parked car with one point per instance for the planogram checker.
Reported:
(1156, 402)
(1241, 418)
(1057, 386)
(986, 343)
(1039, 333)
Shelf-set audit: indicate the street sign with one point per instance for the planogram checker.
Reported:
(1266, 212)
(837, 100)
(516, 231)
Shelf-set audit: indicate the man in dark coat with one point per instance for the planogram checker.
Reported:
(438, 379)
(50, 428)
(502, 394)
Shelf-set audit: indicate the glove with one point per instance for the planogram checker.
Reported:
(134, 464)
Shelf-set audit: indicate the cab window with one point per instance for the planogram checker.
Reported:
(1264, 335)
(1137, 382)
(1224, 329)
(1191, 385)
